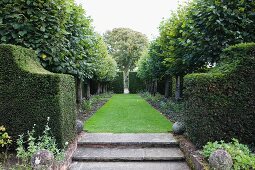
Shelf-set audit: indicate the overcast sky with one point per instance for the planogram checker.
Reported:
(140, 15)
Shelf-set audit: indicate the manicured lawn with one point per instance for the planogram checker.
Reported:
(127, 113)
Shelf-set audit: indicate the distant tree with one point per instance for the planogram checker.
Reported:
(126, 47)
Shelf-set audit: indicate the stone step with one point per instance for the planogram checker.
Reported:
(83, 154)
(130, 140)
(129, 166)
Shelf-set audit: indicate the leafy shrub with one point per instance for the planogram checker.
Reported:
(88, 104)
(5, 139)
(241, 155)
(29, 94)
(34, 144)
(220, 104)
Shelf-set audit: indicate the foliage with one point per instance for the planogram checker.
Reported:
(150, 65)
(5, 139)
(198, 32)
(117, 86)
(34, 144)
(81, 40)
(135, 84)
(88, 104)
(241, 155)
(220, 103)
(62, 35)
(126, 46)
(5, 142)
(174, 110)
(127, 113)
(34, 24)
(58, 30)
(28, 92)
(105, 66)
(171, 42)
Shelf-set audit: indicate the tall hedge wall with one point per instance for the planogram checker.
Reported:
(29, 94)
(117, 86)
(135, 83)
(221, 103)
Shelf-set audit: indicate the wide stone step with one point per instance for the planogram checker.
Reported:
(129, 166)
(127, 154)
(134, 140)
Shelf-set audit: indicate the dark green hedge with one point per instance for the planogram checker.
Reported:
(117, 86)
(29, 94)
(221, 103)
(135, 83)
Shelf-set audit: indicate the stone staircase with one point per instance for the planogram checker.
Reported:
(106, 151)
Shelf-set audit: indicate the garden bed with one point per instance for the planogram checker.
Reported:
(174, 111)
(91, 105)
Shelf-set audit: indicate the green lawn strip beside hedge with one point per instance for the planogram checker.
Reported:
(221, 103)
(117, 86)
(29, 94)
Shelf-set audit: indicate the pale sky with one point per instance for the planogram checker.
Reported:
(140, 15)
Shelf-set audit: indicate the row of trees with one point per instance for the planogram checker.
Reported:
(61, 33)
(194, 36)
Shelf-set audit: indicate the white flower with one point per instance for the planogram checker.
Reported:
(66, 143)
(37, 161)
(48, 118)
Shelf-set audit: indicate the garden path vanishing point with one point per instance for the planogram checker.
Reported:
(128, 134)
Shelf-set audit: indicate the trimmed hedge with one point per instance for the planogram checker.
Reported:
(29, 94)
(221, 103)
(117, 86)
(136, 85)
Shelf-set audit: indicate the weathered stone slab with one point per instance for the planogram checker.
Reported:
(150, 139)
(128, 154)
(129, 166)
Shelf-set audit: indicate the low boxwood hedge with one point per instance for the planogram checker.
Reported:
(29, 94)
(221, 103)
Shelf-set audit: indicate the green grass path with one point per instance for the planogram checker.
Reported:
(127, 113)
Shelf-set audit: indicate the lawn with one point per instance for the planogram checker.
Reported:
(127, 113)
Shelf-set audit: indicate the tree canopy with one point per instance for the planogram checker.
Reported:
(198, 32)
(126, 46)
(60, 32)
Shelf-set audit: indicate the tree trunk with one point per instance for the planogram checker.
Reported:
(88, 89)
(78, 83)
(151, 87)
(167, 86)
(126, 78)
(98, 88)
(146, 86)
(105, 88)
(179, 88)
(155, 90)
